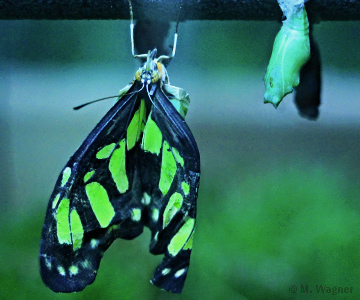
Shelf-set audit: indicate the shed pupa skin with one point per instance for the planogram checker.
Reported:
(290, 52)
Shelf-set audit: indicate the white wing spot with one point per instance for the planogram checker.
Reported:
(48, 263)
(145, 199)
(179, 273)
(55, 201)
(65, 176)
(165, 271)
(61, 270)
(94, 243)
(85, 264)
(155, 214)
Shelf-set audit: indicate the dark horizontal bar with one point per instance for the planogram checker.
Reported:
(167, 10)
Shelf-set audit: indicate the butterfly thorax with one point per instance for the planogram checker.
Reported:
(152, 71)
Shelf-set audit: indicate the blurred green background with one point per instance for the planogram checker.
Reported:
(279, 195)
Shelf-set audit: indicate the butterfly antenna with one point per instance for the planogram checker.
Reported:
(147, 90)
(138, 90)
(97, 100)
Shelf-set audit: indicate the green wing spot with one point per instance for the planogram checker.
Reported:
(100, 203)
(136, 214)
(105, 151)
(168, 169)
(186, 188)
(172, 208)
(66, 174)
(62, 222)
(136, 126)
(117, 167)
(152, 138)
(55, 201)
(88, 175)
(178, 157)
(77, 230)
(73, 270)
(181, 238)
(146, 199)
(189, 243)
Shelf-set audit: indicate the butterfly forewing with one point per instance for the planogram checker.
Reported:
(88, 208)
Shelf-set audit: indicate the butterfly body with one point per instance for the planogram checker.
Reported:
(140, 166)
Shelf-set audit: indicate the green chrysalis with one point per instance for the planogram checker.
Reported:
(290, 52)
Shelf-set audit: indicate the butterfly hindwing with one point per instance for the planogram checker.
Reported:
(179, 179)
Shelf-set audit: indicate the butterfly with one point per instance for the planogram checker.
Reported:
(139, 166)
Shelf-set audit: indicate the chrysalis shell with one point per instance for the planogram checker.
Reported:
(178, 97)
(290, 52)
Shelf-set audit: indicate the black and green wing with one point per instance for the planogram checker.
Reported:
(86, 204)
(139, 166)
(172, 232)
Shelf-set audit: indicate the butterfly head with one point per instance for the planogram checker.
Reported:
(152, 71)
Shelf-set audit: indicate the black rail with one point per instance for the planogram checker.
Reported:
(166, 10)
